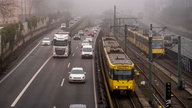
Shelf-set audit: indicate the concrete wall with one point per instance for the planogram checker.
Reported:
(42, 26)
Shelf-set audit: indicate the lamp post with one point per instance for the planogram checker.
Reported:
(150, 65)
(25, 10)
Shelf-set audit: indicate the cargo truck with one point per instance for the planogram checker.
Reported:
(61, 44)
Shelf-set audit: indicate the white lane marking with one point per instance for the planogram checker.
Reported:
(73, 54)
(19, 64)
(54, 106)
(62, 82)
(77, 47)
(68, 65)
(29, 83)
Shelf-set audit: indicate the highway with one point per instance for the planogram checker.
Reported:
(41, 81)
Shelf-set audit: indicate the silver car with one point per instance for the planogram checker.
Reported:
(77, 106)
(77, 75)
(81, 33)
(85, 42)
(77, 37)
(46, 41)
(90, 39)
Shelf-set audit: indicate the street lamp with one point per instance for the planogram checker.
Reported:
(150, 65)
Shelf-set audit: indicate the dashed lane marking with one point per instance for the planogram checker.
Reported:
(62, 82)
(68, 65)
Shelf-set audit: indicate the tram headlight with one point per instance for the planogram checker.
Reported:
(116, 87)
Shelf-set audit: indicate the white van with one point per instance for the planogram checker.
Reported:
(87, 51)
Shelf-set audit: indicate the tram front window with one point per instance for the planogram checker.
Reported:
(157, 44)
(122, 75)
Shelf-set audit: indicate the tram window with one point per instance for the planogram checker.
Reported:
(157, 44)
(122, 72)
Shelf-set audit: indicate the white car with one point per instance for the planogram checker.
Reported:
(77, 106)
(85, 42)
(81, 33)
(77, 37)
(63, 26)
(46, 41)
(90, 39)
(77, 75)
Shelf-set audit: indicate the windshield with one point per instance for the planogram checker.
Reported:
(122, 75)
(157, 44)
(60, 42)
(77, 72)
(87, 49)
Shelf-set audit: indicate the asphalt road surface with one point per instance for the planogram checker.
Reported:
(41, 81)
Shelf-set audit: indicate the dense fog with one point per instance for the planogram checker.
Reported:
(99, 6)
(174, 12)
(86, 7)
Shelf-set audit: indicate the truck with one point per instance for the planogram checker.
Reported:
(61, 44)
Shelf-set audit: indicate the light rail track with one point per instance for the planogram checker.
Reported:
(125, 102)
(159, 81)
(171, 66)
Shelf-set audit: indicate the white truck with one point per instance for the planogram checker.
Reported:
(61, 44)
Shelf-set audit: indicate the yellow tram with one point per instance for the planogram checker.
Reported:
(119, 67)
(142, 42)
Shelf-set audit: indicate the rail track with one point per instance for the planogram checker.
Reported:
(158, 82)
(168, 62)
(124, 102)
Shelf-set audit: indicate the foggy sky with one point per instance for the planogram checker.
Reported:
(98, 6)
(87, 7)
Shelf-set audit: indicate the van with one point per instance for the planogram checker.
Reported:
(87, 51)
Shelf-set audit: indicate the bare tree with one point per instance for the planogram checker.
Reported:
(6, 9)
(46, 7)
